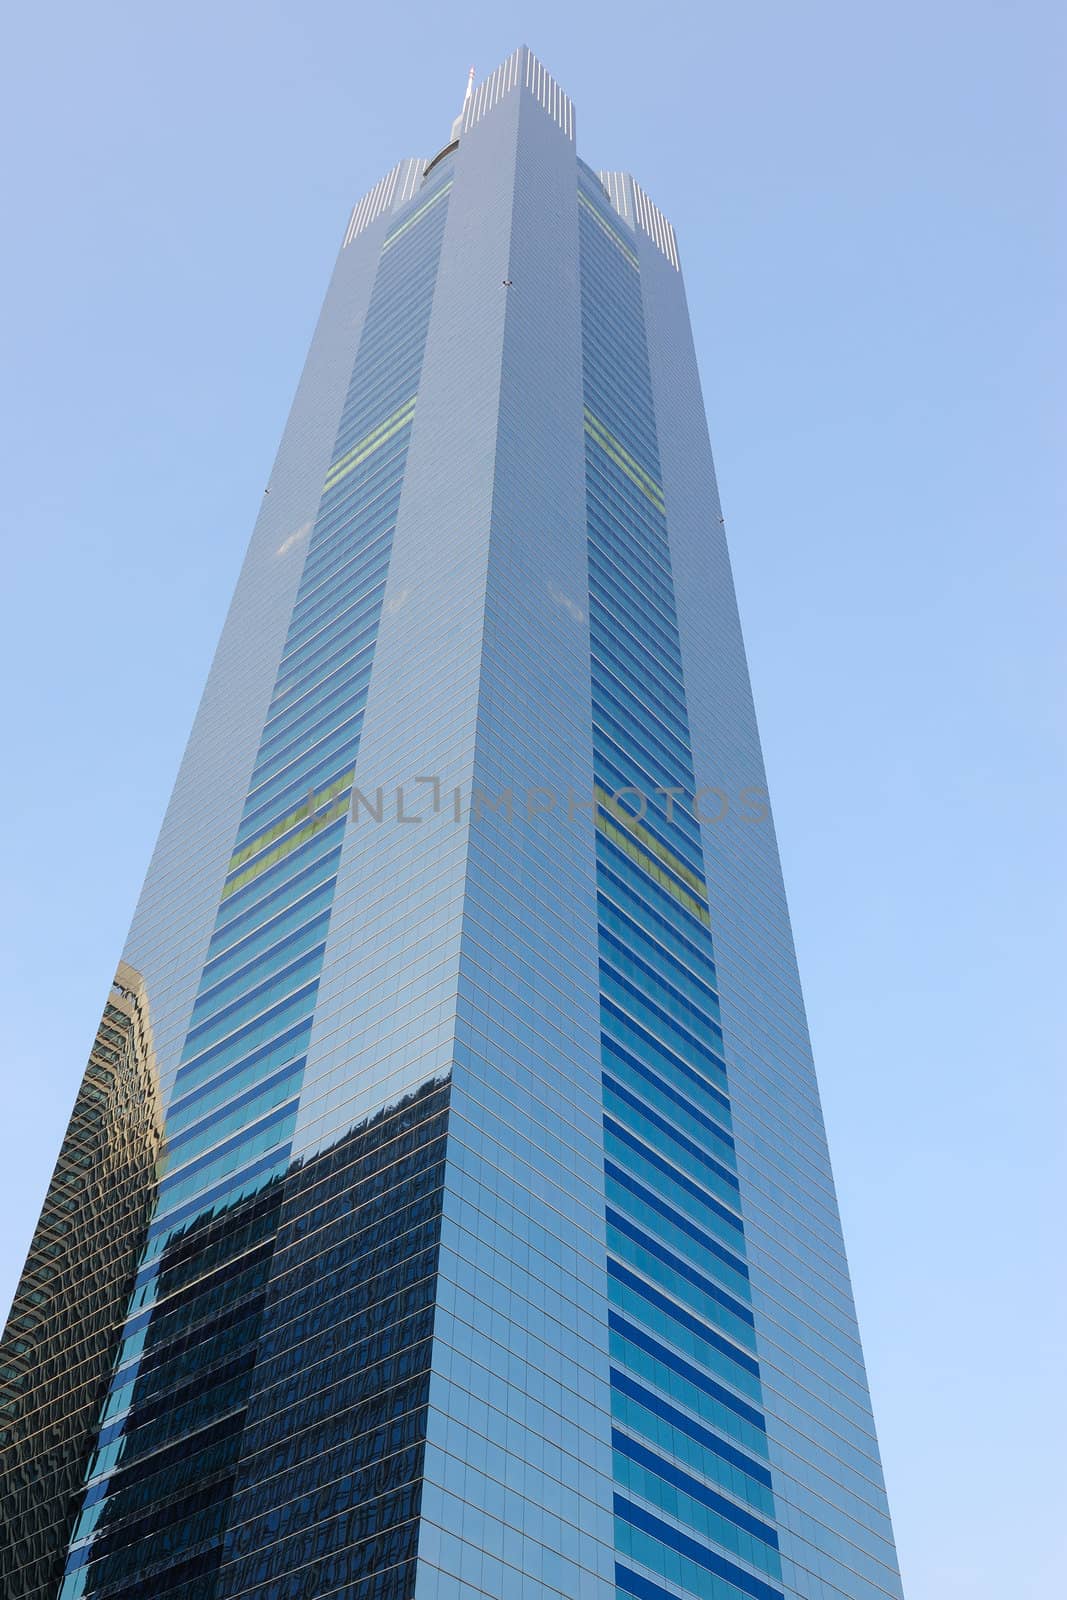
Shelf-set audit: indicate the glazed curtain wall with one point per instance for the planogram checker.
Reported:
(177, 1403)
(694, 1499)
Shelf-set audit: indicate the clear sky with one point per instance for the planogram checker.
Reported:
(870, 207)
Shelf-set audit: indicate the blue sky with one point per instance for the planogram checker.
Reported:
(870, 207)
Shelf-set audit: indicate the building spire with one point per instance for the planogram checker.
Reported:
(457, 126)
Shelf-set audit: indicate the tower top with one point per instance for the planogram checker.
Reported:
(457, 126)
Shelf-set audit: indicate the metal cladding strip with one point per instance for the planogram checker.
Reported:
(492, 90)
(392, 190)
(655, 224)
(635, 207)
(548, 92)
(521, 66)
(617, 185)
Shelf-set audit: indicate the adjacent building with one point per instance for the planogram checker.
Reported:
(491, 1248)
(61, 1339)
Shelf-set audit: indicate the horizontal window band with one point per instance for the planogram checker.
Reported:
(658, 1224)
(698, 1518)
(685, 1369)
(630, 1153)
(756, 1470)
(251, 1104)
(372, 438)
(335, 806)
(660, 1125)
(270, 931)
(227, 1192)
(335, 732)
(306, 711)
(676, 1219)
(369, 444)
(372, 472)
(705, 1408)
(631, 723)
(679, 1289)
(602, 432)
(619, 461)
(601, 429)
(635, 1451)
(616, 610)
(678, 1313)
(201, 1166)
(269, 1025)
(682, 1267)
(224, 1092)
(343, 548)
(660, 1011)
(627, 917)
(620, 1120)
(309, 808)
(681, 1084)
(608, 612)
(692, 1550)
(320, 698)
(344, 638)
(623, 763)
(647, 863)
(312, 865)
(356, 549)
(631, 566)
(649, 842)
(345, 661)
(318, 764)
(245, 1007)
(620, 765)
(655, 1052)
(622, 1011)
(416, 216)
(288, 791)
(672, 985)
(612, 233)
(334, 559)
(619, 1074)
(619, 883)
(633, 1585)
(609, 677)
(218, 996)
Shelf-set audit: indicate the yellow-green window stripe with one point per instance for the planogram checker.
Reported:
(650, 842)
(624, 460)
(391, 238)
(371, 442)
(306, 808)
(321, 820)
(645, 862)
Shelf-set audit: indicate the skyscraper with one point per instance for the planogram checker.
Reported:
(484, 1239)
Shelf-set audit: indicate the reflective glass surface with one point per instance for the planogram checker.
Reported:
(195, 1352)
(461, 1223)
(62, 1336)
(667, 1116)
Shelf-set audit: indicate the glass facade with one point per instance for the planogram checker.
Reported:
(678, 1276)
(61, 1338)
(474, 1231)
